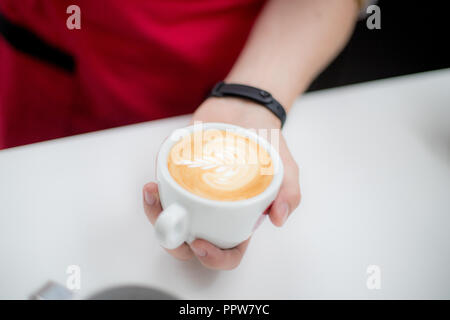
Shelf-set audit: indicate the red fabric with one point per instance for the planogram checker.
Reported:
(136, 60)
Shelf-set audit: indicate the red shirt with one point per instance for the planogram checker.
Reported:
(135, 61)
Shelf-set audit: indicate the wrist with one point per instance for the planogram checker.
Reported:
(237, 111)
(258, 95)
(284, 92)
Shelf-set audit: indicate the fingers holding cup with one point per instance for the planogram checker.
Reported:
(152, 208)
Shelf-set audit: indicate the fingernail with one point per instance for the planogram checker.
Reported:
(284, 209)
(149, 198)
(199, 252)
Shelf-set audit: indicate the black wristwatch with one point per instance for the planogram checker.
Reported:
(262, 97)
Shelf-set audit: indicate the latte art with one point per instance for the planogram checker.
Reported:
(220, 165)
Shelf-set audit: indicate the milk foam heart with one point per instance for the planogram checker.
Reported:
(220, 165)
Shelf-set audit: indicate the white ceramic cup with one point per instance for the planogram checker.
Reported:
(187, 216)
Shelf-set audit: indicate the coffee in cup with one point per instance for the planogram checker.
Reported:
(220, 165)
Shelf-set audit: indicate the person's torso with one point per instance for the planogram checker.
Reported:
(142, 59)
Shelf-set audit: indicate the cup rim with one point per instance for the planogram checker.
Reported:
(274, 184)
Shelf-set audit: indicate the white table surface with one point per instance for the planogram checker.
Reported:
(375, 175)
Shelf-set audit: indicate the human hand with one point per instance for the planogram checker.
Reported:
(249, 115)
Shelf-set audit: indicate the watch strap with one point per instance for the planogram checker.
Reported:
(264, 98)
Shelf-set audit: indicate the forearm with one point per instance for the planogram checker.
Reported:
(291, 42)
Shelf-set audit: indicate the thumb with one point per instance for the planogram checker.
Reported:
(152, 205)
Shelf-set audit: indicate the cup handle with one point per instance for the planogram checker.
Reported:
(172, 226)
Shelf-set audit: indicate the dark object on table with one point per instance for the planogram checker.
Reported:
(132, 293)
